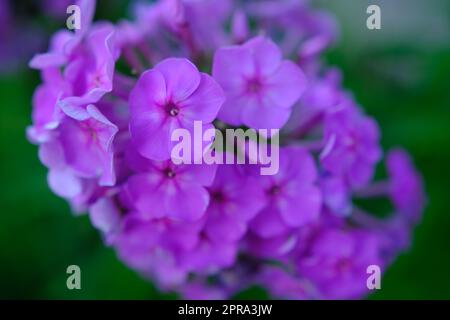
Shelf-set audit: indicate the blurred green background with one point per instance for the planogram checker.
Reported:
(400, 74)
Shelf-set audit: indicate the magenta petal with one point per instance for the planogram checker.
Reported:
(56, 56)
(105, 215)
(64, 183)
(360, 173)
(264, 114)
(51, 154)
(145, 194)
(231, 110)
(87, 8)
(230, 74)
(88, 145)
(150, 127)
(47, 60)
(181, 76)
(44, 102)
(73, 139)
(244, 194)
(303, 163)
(209, 255)
(105, 128)
(149, 91)
(266, 54)
(202, 174)
(286, 85)
(222, 227)
(151, 135)
(302, 207)
(268, 223)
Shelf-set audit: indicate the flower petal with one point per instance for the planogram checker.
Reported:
(231, 67)
(286, 85)
(264, 113)
(188, 202)
(181, 76)
(205, 102)
(266, 54)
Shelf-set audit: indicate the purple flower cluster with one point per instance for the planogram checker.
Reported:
(112, 95)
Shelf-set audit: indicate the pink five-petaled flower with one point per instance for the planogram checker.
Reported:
(235, 200)
(153, 247)
(172, 95)
(80, 151)
(337, 260)
(293, 199)
(163, 189)
(352, 145)
(261, 88)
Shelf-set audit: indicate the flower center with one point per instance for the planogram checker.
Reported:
(169, 173)
(172, 109)
(274, 190)
(254, 85)
(343, 265)
(218, 196)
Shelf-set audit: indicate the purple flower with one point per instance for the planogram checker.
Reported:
(260, 87)
(352, 145)
(336, 262)
(336, 195)
(276, 247)
(172, 95)
(104, 132)
(90, 72)
(198, 25)
(322, 95)
(239, 26)
(162, 189)
(209, 255)
(293, 199)
(406, 188)
(205, 20)
(395, 237)
(78, 152)
(235, 200)
(106, 217)
(153, 247)
(46, 115)
(61, 178)
(292, 22)
(64, 43)
(58, 54)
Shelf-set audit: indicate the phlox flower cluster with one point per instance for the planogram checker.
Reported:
(112, 95)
